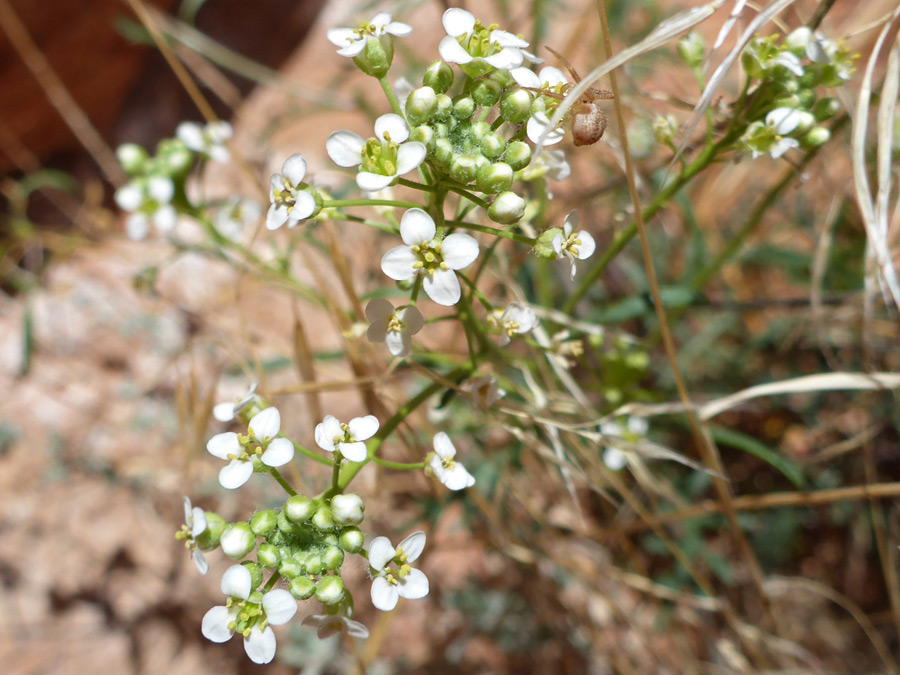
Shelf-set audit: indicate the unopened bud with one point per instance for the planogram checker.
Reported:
(443, 107)
(443, 151)
(351, 539)
(313, 563)
(463, 108)
(518, 155)
(290, 568)
(347, 509)
(508, 208)
(132, 157)
(422, 134)
(438, 76)
(515, 106)
(268, 556)
(255, 573)
(333, 558)
(826, 108)
(691, 49)
(463, 169)
(816, 137)
(492, 145)
(330, 590)
(494, 178)
(238, 540)
(322, 519)
(420, 104)
(299, 508)
(263, 523)
(215, 526)
(486, 93)
(302, 587)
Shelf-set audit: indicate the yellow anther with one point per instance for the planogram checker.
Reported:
(444, 265)
(418, 265)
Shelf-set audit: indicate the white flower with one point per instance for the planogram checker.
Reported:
(242, 451)
(225, 412)
(194, 525)
(483, 390)
(290, 199)
(632, 430)
(381, 159)
(395, 328)
(477, 49)
(353, 40)
(403, 581)
(436, 258)
(789, 61)
(550, 79)
(148, 201)
(208, 140)
(329, 624)
(573, 245)
(249, 614)
(445, 468)
(782, 122)
(514, 319)
(333, 436)
(234, 215)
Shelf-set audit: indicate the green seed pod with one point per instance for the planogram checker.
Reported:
(238, 540)
(313, 564)
(302, 587)
(322, 520)
(268, 556)
(330, 590)
(215, 526)
(486, 93)
(289, 568)
(299, 508)
(494, 178)
(376, 57)
(255, 573)
(420, 105)
(816, 137)
(442, 109)
(351, 539)
(691, 49)
(333, 558)
(518, 155)
(463, 168)
(826, 108)
(263, 523)
(508, 208)
(438, 76)
(463, 108)
(132, 157)
(515, 106)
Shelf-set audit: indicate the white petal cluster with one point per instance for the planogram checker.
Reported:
(444, 466)
(275, 608)
(514, 319)
(194, 525)
(327, 625)
(208, 140)
(290, 200)
(631, 430)
(402, 581)
(437, 259)
(383, 158)
(465, 43)
(148, 201)
(394, 328)
(571, 243)
(241, 453)
(353, 40)
(348, 439)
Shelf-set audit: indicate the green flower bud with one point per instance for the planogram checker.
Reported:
(479, 130)
(351, 539)
(238, 540)
(330, 590)
(268, 555)
(665, 129)
(492, 145)
(443, 151)
(443, 107)
(132, 157)
(503, 78)
(812, 75)
(787, 101)
(816, 137)
(322, 520)
(826, 108)
(518, 155)
(215, 526)
(463, 108)
(515, 106)
(508, 208)
(263, 523)
(302, 587)
(807, 98)
(494, 178)
(255, 573)
(438, 76)
(330, 539)
(277, 538)
(376, 57)
(806, 122)
(299, 508)
(177, 160)
(420, 104)
(544, 245)
(290, 568)
(347, 509)
(691, 49)
(286, 525)
(333, 558)
(423, 134)
(486, 93)
(463, 169)
(313, 564)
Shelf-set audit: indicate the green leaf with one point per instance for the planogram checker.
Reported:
(748, 444)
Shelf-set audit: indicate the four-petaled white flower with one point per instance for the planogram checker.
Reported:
(483, 390)
(550, 79)
(291, 201)
(381, 159)
(436, 258)
(632, 430)
(225, 412)
(388, 585)
(330, 624)
(478, 48)
(242, 451)
(148, 202)
(249, 613)
(235, 215)
(194, 525)
(571, 244)
(783, 121)
(353, 40)
(208, 140)
(333, 436)
(445, 468)
(514, 319)
(395, 328)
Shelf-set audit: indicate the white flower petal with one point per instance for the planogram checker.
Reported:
(398, 263)
(416, 227)
(215, 624)
(397, 29)
(266, 423)
(571, 221)
(442, 287)
(294, 169)
(506, 59)
(326, 431)
(354, 48)
(188, 511)
(345, 148)
(235, 474)
(191, 134)
(457, 478)
(413, 546)
(536, 126)
(356, 629)
(552, 77)
(410, 156)
(413, 586)
(341, 37)
(384, 594)
(279, 452)
(637, 425)
(525, 77)
(276, 216)
(137, 226)
(614, 459)
(412, 318)
(363, 428)
(391, 125)
(398, 344)
(458, 22)
(280, 606)
(784, 120)
(198, 521)
(379, 21)
(129, 198)
(260, 645)
(224, 412)
(381, 551)
(507, 39)
(443, 446)
(377, 331)
(222, 445)
(161, 189)
(237, 582)
(459, 251)
(379, 310)
(200, 561)
(373, 182)
(452, 52)
(165, 218)
(354, 452)
(304, 206)
(587, 246)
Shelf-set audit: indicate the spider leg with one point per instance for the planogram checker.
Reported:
(601, 94)
(545, 92)
(572, 71)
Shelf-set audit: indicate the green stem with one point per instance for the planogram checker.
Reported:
(270, 584)
(416, 186)
(336, 472)
(391, 96)
(281, 481)
(497, 232)
(468, 195)
(337, 203)
(309, 453)
(398, 465)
